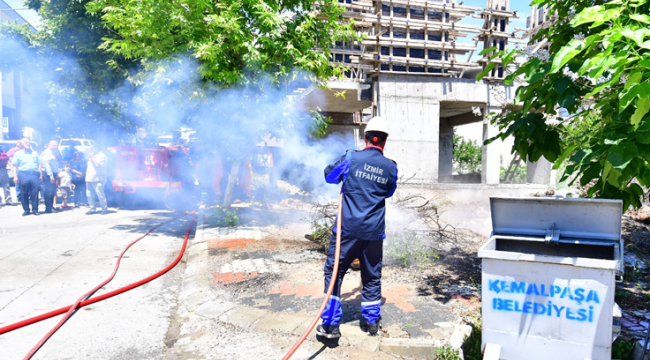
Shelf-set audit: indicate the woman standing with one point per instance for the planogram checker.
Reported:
(78, 167)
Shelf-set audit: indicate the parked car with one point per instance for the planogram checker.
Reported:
(82, 145)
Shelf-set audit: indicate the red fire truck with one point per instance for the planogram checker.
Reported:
(148, 172)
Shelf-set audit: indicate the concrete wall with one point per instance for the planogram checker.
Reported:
(467, 206)
(411, 104)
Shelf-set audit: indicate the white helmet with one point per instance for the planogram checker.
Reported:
(377, 124)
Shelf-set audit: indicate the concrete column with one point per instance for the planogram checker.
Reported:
(446, 146)
(539, 172)
(414, 125)
(491, 167)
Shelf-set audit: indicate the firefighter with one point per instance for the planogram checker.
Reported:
(368, 178)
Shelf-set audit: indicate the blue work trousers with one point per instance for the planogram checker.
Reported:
(29, 183)
(370, 254)
(49, 190)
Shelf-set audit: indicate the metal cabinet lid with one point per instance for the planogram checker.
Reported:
(558, 218)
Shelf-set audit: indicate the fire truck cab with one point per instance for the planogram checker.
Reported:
(152, 171)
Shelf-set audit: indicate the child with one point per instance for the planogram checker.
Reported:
(65, 181)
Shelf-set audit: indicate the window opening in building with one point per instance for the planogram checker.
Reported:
(417, 53)
(399, 34)
(417, 34)
(399, 51)
(434, 54)
(399, 68)
(416, 69)
(417, 13)
(399, 11)
(385, 50)
(434, 15)
(435, 36)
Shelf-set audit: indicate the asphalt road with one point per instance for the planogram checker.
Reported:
(47, 262)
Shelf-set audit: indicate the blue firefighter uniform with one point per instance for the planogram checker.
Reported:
(368, 179)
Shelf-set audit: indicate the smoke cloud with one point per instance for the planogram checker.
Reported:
(161, 97)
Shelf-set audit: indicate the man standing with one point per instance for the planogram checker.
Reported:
(50, 163)
(4, 176)
(11, 154)
(78, 168)
(28, 176)
(95, 179)
(368, 178)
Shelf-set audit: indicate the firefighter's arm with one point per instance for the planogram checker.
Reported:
(335, 173)
(392, 190)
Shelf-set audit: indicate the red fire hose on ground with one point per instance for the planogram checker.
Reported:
(335, 270)
(84, 301)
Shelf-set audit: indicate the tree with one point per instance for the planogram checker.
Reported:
(243, 51)
(76, 91)
(468, 155)
(598, 71)
(88, 94)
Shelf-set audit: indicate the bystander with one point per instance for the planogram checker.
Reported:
(50, 163)
(28, 176)
(95, 180)
(11, 154)
(4, 176)
(78, 168)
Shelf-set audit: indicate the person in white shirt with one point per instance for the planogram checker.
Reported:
(95, 180)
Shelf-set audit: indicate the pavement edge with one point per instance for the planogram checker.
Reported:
(195, 294)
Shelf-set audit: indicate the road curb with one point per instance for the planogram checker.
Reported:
(195, 294)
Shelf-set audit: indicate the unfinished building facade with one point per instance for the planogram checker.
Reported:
(416, 65)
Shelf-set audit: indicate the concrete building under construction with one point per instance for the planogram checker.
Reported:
(416, 65)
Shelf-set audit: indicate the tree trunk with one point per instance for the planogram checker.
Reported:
(232, 180)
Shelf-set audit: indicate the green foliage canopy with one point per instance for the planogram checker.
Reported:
(236, 42)
(599, 71)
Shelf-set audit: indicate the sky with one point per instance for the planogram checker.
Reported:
(30, 15)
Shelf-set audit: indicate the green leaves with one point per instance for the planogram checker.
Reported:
(488, 50)
(588, 15)
(568, 52)
(637, 35)
(485, 72)
(642, 108)
(621, 155)
(641, 17)
(606, 90)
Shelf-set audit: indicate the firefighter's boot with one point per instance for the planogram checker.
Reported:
(328, 331)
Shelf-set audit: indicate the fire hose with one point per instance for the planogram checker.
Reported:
(335, 270)
(85, 300)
